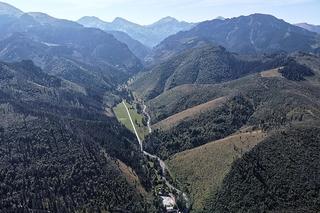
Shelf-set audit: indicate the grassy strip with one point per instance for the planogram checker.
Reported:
(122, 116)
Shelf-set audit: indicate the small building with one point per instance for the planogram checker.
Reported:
(169, 202)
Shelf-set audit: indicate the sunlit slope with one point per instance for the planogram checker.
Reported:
(202, 170)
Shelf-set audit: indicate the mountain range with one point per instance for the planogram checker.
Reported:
(251, 34)
(149, 35)
(86, 56)
(231, 105)
(231, 100)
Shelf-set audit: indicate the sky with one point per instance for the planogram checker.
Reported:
(149, 11)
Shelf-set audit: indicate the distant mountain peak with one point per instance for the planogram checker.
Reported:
(92, 21)
(44, 19)
(220, 18)
(89, 18)
(39, 15)
(265, 17)
(120, 20)
(167, 20)
(149, 35)
(254, 33)
(7, 9)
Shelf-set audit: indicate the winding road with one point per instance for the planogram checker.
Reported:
(161, 162)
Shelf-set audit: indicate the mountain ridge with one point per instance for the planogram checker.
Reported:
(149, 35)
(7, 9)
(253, 34)
(208, 64)
(310, 27)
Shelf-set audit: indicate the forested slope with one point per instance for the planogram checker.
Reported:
(281, 174)
(59, 152)
(279, 99)
(204, 65)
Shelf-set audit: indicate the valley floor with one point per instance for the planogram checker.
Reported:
(134, 122)
(128, 115)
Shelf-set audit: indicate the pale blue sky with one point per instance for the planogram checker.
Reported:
(148, 11)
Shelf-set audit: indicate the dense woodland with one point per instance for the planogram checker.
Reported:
(205, 65)
(289, 102)
(59, 152)
(211, 126)
(256, 182)
(296, 72)
(257, 87)
(47, 167)
(265, 103)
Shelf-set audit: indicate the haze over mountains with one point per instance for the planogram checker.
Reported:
(67, 49)
(233, 106)
(149, 35)
(310, 27)
(245, 34)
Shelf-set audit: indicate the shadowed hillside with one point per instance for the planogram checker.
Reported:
(205, 65)
(59, 152)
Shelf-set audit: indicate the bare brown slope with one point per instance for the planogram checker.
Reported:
(271, 73)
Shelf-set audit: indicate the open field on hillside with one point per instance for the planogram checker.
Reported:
(122, 116)
(189, 113)
(202, 170)
(271, 73)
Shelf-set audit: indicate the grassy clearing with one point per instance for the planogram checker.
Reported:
(202, 170)
(271, 73)
(122, 116)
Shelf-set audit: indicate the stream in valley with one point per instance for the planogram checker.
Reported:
(162, 164)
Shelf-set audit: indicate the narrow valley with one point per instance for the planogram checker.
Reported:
(116, 107)
(169, 199)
